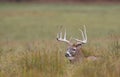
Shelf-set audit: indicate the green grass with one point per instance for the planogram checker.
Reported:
(28, 46)
(30, 21)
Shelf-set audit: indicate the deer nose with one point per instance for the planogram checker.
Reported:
(67, 55)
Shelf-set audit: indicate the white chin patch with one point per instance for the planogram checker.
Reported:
(70, 58)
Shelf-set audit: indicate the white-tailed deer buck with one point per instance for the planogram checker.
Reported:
(74, 52)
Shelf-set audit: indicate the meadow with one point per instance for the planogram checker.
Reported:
(28, 46)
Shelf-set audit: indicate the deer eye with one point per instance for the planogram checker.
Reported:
(73, 49)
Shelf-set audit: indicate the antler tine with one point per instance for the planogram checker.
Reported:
(65, 35)
(63, 39)
(60, 35)
(85, 33)
(84, 37)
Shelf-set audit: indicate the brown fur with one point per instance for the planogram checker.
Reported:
(79, 56)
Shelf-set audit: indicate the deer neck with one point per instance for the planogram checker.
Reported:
(78, 57)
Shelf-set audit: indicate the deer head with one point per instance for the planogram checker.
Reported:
(73, 52)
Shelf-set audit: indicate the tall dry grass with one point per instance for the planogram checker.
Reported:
(32, 60)
(46, 59)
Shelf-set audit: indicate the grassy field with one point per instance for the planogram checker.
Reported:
(28, 46)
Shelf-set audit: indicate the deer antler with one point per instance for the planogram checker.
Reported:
(63, 39)
(84, 37)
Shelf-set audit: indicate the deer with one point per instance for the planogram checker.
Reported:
(74, 50)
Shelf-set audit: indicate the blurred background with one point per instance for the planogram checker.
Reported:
(42, 19)
(28, 45)
(59, 1)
